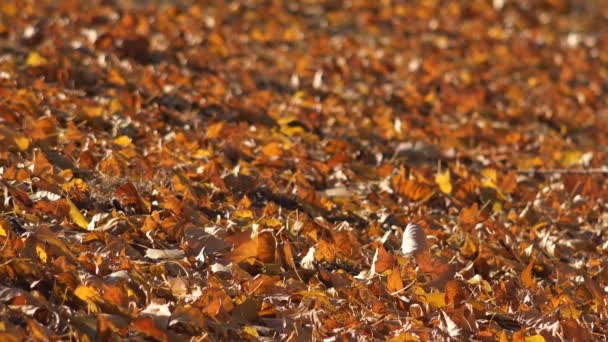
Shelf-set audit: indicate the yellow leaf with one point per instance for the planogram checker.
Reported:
(497, 207)
(570, 311)
(41, 253)
(76, 216)
(488, 178)
(288, 130)
(272, 222)
(435, 300)
(530, 163)
(123, 141)
(22, 142)
(89, 295)
(243, 214)
(77, 183)
(202, 153)
(503, 337)
(34, 59)
(115, 106)
(535, 338)
(4, 228)
(251, 331)
(292, 130)
(443, 180)
(570, 158)
(93, 111)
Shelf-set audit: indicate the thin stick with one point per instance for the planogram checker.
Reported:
(601, 171)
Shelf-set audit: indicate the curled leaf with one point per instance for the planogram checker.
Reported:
(76, 216)
(414, 240)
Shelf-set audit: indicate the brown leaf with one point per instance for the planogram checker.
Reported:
(128, 197)
(455, 294)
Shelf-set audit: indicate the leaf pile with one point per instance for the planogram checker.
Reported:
(267, 170)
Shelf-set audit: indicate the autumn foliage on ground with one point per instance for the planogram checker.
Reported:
(268, 170)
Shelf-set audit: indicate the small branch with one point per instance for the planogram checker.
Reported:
(596, 171)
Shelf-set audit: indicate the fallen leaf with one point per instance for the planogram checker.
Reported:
(147, 327)
(34, 59)
(163, 254)
(414, 240)
(90, 296)
(76, 216)
(527, 276)
(443, 180)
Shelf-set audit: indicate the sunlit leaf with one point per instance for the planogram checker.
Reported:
(41, 253)
(123, 141)
(90, 296)
(34, 59)
(77, 216)
(443, 180)
(23, 143)
(527, 276)
(251, 331)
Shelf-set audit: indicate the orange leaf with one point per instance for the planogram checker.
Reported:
(272, 150)
(468, 216)
(394, 282)
(214, 299)
(411, 189)
(214, 130)
(146, 326)
(384, 261)
(288, 255)
(528, 278)
(261, 247)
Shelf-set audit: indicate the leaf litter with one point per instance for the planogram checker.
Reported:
(396, 171)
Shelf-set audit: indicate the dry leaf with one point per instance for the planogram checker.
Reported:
(443, 180)
(90, 296)
(527, 276)
(162, 254)
(448, 326)
(414, 240)
(76, 216)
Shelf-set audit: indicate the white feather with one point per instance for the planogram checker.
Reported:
(414, 239)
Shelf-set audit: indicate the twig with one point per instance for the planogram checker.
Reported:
(600, 171)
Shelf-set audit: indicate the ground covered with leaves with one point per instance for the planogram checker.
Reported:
(267, 170)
